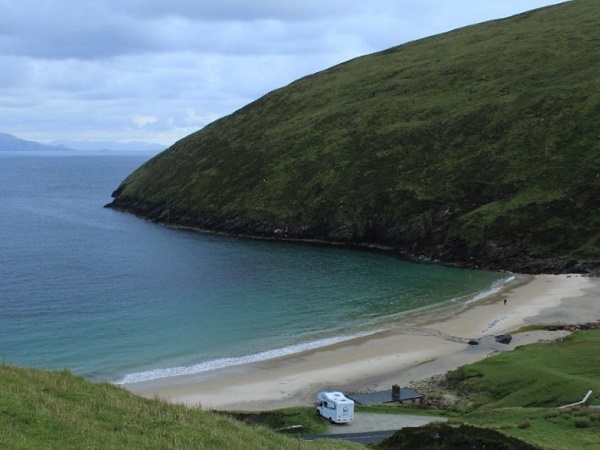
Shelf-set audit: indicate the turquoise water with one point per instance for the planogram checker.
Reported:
(113, 297)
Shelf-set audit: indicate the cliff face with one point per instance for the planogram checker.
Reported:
(479, 147)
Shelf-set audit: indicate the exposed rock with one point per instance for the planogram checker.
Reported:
(503, 339)
(413, 239)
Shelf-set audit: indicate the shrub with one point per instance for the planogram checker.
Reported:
(582, 422)
(581, 412)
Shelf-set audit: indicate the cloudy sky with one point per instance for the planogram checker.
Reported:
(157, 70)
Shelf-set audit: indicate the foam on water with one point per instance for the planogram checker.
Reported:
(221, 363)
(230, 362)
(496, 287)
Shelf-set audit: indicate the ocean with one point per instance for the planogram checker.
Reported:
(112, 297)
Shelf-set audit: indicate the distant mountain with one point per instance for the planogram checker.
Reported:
(480, 147)
(134, 146)
(10, 143)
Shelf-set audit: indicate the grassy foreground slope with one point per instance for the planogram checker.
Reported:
(515, 393)
(40, 410)
(479, 146)
(519, 392)
(536, 375)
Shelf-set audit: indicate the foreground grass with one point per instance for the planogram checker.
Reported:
(515, 393)
(57, 410)
(306, 417)
(549, 428)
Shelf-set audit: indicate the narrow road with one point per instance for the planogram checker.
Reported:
(371, 427)
(370, 437)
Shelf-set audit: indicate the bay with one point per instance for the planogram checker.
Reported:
(116, 298)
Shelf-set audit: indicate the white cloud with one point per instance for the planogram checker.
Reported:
(142, 121)
(84, 69)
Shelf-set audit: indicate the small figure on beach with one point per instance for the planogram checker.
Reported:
(505, 301)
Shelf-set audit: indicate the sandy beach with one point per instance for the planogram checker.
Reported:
(416, 348)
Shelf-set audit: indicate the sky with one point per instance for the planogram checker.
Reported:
(157, 70)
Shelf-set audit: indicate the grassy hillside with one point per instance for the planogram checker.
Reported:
(479, 146)
(536, 375)
(518, 392)
(57, 410)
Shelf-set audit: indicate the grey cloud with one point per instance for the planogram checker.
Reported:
(159, 70)
(14, 73)
(243, 10)
(88, 30)
(63, 29)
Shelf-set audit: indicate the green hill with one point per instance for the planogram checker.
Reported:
(480, 146)
(57, 410)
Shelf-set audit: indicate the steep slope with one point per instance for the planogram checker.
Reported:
(58, 410)
(480, 146)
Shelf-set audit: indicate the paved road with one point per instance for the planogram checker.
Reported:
(367, 422)
(358, 438)
(371, 427)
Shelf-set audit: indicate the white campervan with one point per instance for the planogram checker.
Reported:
(335, 406)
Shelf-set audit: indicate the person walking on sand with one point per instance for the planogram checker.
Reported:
(505, 301)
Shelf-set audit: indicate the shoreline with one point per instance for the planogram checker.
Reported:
(435, 311)
(415, 348)
(180, 220)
